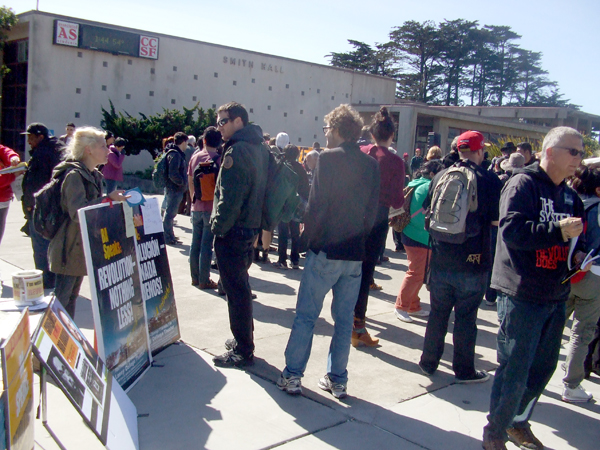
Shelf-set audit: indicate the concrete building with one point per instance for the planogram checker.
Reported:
(65, 69)
(418, 123)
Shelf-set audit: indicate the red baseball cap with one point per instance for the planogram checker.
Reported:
(470, 140)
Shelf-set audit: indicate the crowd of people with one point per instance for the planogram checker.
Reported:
(515, 231)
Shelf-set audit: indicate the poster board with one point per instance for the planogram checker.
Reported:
(17, 381)
(117, 303)
(155, 273)
(84, 378)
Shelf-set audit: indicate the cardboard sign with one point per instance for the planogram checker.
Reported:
(117, 302)
(84, 378)
(157, 285)
(17, 381)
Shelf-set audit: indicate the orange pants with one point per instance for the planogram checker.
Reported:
(408, 299)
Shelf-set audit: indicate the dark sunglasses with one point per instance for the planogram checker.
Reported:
(574, 152)
(223, 121)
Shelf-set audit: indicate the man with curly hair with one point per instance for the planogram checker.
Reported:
(341, 211)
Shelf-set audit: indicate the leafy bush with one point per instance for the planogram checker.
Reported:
(147, 132)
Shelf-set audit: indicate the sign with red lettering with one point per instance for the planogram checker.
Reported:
(148, 47)
(66, 33)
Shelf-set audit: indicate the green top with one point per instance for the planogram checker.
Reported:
(416, 227)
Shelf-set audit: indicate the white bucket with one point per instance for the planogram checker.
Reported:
(28, 287)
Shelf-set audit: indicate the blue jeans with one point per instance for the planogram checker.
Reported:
(201, 248)
(171, 204)
(463, 292)
(319, 276)
(40, 256)
(528, 347)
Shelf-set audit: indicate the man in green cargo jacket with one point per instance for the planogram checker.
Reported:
(235, 222)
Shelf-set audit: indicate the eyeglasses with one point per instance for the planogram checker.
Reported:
(574, 152)
(325, 129)
(223, 121)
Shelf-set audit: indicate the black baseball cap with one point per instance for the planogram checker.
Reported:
(37, 129)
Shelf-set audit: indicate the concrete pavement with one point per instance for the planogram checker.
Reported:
(187, 403)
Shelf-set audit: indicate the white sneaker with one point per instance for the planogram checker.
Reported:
(291, 385)
(420, 313)
(338, 390)
(403, 316)
(576, 395)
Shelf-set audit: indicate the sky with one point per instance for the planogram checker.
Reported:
(308, 30)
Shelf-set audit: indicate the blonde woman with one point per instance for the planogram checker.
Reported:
(81, 187)
(434, 153)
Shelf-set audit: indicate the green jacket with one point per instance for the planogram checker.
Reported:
(416, 227)
(80, 188)
(241, 183)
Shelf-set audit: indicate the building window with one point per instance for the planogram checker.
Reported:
(174, 68)
(333, 97)
(316, 118)
(151, 93)
(251, 110)
(77, 115)
(373, 100)
(346, 95)
(302, 93)
(299, 139)
(104, 64)
(234, 83)
(80, 54)
(214, 105)
(130, 62)
(318, 91)
(314, 136)
(269, 107)
(301, 111)
(127, 96)
(216, 75)
(194, 98)
(103, 87)
(287, 86)
(284, 114)
(195, 77)
(152, 71)
(253, 80)
(270, 88)
(78, 90)
(172, 101)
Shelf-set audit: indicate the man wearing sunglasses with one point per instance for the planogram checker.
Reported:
(539, 215)
(235, 222)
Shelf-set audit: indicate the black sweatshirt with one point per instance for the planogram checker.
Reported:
(531, 256)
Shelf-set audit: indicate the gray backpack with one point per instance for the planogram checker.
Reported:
(454, 196)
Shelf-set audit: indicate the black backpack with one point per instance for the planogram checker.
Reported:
(48, 215)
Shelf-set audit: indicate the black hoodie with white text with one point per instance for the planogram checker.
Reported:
(531, 255)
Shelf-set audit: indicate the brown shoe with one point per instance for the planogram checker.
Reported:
(210, 285)
(375, 287)
(365, 338)
(493, 444)
(524, 438)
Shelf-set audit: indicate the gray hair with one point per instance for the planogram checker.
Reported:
(82, 138)
(555, 135)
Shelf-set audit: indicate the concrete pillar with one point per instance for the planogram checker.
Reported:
(407, 127)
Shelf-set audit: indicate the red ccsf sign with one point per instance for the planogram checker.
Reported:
(67, 33)
(148, 47)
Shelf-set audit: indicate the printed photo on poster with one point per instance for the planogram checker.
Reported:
(65, 376)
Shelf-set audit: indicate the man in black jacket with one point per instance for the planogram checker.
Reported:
(176, 184)
(46, 152)
(341, 211)
(236, 220)
(539, 214)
